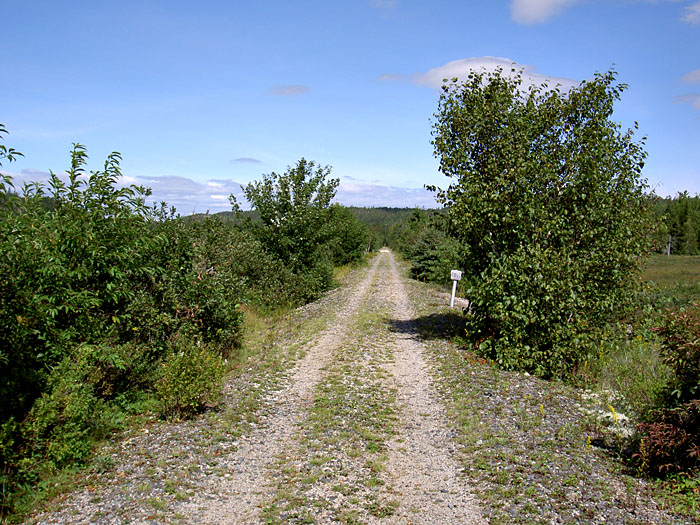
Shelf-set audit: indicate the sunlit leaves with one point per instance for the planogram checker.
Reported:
(548, 202)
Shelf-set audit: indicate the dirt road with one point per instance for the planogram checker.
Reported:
(353, 432)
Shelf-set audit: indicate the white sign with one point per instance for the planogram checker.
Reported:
(456, 275)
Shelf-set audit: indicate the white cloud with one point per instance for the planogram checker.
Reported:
(692, 13)
(537, 11)
(691, 78)
(247, 160)
(461, 69)
(376, 195)
(289, 91)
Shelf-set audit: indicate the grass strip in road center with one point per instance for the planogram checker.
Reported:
(335, 472)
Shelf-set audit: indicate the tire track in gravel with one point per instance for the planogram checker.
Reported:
(238, 496)
(421, 467)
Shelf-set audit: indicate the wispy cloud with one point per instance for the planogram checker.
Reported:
(530, 12)
(384, 4)
(461, 68)
(689, 98)
(692, 13)
(390, 77)
(246, 160)
(691, 78)
(289, 91)
(190, 196)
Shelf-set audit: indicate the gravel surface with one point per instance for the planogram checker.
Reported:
(422, 458)
(535, 451)
(363, 408)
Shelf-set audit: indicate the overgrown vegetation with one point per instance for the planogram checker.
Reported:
(110, 307)
(669, 440)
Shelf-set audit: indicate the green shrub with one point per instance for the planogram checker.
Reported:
(191, 379)
(349, 238)
(433, 256)
(294, 211)
(95, 285)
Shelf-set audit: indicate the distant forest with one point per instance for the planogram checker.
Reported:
(680, 216)
(679, 219)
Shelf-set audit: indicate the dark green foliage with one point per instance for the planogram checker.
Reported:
(95, 288)
(680, 217)
(68, 273)
(385, 225)
(349, 238)
(548, 203)
(425, 241)
(433, 256)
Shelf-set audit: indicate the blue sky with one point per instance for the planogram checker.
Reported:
(200, 97)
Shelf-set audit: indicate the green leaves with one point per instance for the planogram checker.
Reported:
(7, 153)
(547, 200)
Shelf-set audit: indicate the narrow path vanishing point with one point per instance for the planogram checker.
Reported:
(419, 471)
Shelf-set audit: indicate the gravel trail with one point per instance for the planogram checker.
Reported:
(421, 465)
(383, 420)
(240, 495)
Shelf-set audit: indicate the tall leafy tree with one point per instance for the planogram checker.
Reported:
(547, 199)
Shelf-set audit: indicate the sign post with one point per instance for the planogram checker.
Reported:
(455, 275)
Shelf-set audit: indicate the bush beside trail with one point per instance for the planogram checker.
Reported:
(110, 307)
(548, 205)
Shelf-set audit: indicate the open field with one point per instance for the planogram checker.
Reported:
(677, 277)
(667, 271)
